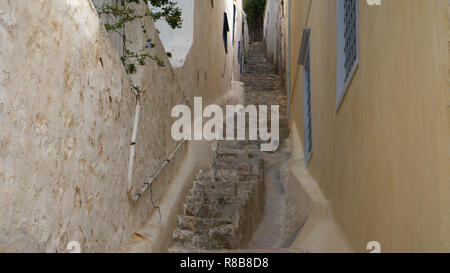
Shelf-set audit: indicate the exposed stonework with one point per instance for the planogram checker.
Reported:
(226, 202)
(263, 86)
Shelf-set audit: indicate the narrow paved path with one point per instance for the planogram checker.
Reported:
(263, 87)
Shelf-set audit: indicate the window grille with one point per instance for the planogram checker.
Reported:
(347, 46)
(305, 60)
(307, 106)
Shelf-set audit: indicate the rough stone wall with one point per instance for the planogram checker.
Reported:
(66, 114)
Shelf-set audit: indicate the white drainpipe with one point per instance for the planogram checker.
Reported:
(136, 194)
(133, 143)
(146, 185)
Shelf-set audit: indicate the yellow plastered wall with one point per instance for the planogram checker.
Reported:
(382, 159)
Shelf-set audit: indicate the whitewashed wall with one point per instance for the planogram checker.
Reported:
(272, 31)
(207, 70)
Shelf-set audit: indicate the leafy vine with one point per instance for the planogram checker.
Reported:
(126, 12)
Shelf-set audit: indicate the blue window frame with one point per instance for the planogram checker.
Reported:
(348, 46)
(307, 106)
(240, 56)
(226, 29)
(234, 21)
(305, 60)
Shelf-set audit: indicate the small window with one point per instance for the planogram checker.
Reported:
(234, 21)
(239, 51)
(305, 60)
(240, 57)
(226, 29)
(347, 43)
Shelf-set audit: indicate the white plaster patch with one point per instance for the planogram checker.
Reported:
(6, 16)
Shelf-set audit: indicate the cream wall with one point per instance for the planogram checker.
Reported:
(276, 35)
(273, 36)
(208, 70)
(381, 159)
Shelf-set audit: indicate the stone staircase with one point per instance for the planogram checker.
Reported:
(262, 85)
(226, 203)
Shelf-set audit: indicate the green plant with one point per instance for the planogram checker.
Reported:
(255, 12)
(126, 12)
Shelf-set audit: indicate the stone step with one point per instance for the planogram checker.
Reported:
(239, 144)
(269, 87)
(244, 169)
(265, 85)
(226, 176)
(263, 81)
(263, 69)
(252, 73)
(198, 224)
(233, 154)
(220, 237)
(219, 178)
(223, 186)
(225, 195)
(214, 209)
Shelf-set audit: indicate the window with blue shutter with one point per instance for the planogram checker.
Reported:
(234, 21)
(347, 43)
(226, 29)
(305, 60)
(240, 56)
(307, 106)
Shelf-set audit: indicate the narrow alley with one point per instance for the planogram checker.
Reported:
(115, 135)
